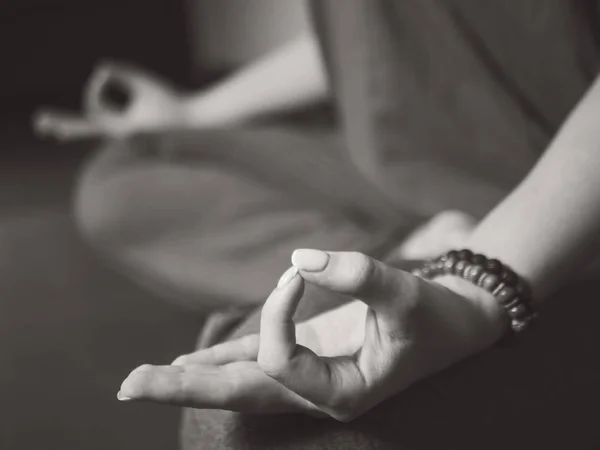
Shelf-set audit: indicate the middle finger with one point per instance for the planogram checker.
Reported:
(243, 349)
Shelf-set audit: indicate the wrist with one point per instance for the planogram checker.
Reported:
(193, 110)
(213, 108)
(522, 260)
(494, 322)
(490, 281)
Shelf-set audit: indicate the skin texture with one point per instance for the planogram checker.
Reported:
(404, 328)
(412, 328)
(262, 87)
(339, 364)
(547, 228)
(152, 104)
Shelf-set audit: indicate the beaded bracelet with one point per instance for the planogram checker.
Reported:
(511, 291)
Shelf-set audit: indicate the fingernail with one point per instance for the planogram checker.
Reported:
(310, 260)
(122, 398)
(287, 276)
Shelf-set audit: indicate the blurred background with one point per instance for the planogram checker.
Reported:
(70, 328)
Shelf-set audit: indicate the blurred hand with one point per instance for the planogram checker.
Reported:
(150, 103)
(339, 364)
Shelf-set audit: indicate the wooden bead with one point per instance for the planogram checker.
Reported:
(418, 273)
(509, 277)
(439, 266)
(519, 312)
(449, 265)
(452, 254)
(426, 271)
(493, 266)
(514, 302)
(460, 267)
(490, 282)
(518, 325)
(432, 269)
(474, 273)
(523, 290)
(506, 295)
(478, 259)
(506, 286)
(454, 267)
(465, 255)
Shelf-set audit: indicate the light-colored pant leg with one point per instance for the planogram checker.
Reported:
(211, 218)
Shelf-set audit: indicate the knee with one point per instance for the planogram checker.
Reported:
(101, 203)
(129, 196)
(95, 208)
(95, 214)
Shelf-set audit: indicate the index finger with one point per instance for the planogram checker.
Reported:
(240, 386)
(330, 383)
(64, 125)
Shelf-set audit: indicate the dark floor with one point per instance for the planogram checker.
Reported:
(70, 328)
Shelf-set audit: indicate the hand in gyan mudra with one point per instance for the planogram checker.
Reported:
(341, 363)
(118, 100)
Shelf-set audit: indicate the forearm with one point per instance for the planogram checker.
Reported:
(288, 77)
(545, 227)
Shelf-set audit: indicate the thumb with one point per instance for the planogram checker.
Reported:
(119, 79)
(123, 72)
(380, 286)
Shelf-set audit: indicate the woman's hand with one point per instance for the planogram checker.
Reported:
(341, 363)
(149, 103)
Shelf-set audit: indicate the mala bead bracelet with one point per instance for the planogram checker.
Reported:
(510, 290)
